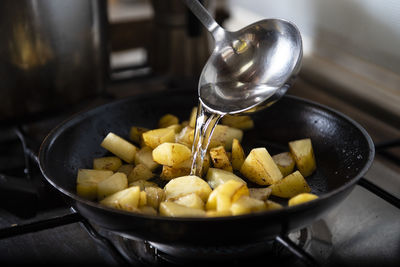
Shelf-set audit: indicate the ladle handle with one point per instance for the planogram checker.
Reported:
(205, 18)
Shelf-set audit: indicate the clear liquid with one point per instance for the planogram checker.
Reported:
(205, 125)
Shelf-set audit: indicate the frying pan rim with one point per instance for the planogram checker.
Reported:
(56, 131)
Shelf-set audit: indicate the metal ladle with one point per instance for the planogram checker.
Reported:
(251, 68)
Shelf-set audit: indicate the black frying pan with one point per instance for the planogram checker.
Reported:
(343, 150)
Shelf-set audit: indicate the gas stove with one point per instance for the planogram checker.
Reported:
(38, 227)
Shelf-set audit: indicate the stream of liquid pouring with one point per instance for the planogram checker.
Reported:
(205, 124)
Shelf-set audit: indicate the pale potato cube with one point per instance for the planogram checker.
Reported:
(143, 184)
(185, 136)
(107, 163)
(215, 213)
(126, 199)
(246, 204)
(260, 193)
(156, 137)
(285, 163)
(185, 185)
(167, 120)
(260, 168)
(155, 196)
(291, 185)
(145, 156)
(193, 117)
(272, 205)
(237, 155)
(216, 177)
(223, 136)
(171, 154)
(116, 182)
(220, 159)
(135, 134)
(87, 181)
(142, 199)
(87, 190)
(148, 210)
(168, 173)
(301, 198)
(119, 147)
(303, 155)
(239, 122)
(140, 172)
(177, 128)
(126, 168)
(172, 209)
(222, 197)
(191, 201)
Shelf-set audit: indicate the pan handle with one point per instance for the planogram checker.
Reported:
(300, 253)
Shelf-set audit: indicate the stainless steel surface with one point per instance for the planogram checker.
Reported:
(53, 54)
(250, 68)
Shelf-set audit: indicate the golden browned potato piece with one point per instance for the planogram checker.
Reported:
(156, 137)
(291, 185)
(172, 209)
(301, 198)
(119, 147)
(177, 128)
(107, 163)
(116, 182)
(260, 193)
(221, 198)
(143, 184)
(142, 199)
(303, 155)
(216, 177)
(239, 122)
(169, 173)
(193, 117)
(260, 168)
(135, 135)
(272, 205)
(87, 181)
(140, 172)
(145, 156)
(191, 201)
(126, 199)
(171, 154)
(246, 204)
(215, 213)
(185, 136)
(223, 136)
(155, 196)
(185, 185)
(285, 163)
(220, 159)
(237, 155)
(167, 120)
(148, 210)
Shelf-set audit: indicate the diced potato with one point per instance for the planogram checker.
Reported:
(87, 181)
(291, 185)
(301, 198)
(260, 168)
(148, 210)
(142, 199)
(285, 163)
(125, 168)
(87, 190)
(116, 182)
(222, 197)
(303, 155)
(191, 201)
(156, 137)
(173, 209)
(177, 128)
(126, 199)
(260, 193)
(193, 117)
(239, 122)
(119, 147)
(246, 204)
(215, 213)
(237, 155)
(216, 177)
(135, 134)
(155, 196)
(272, 205)
(140, 172)
(145, 156)
(220, 158)
(185, 136)
(185, 185)
(167, 120)
(143, 184)
(169, 173)
(107, 163)
(223, 136)
(171, 154)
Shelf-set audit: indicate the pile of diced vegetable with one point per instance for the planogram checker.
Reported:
(149, 172)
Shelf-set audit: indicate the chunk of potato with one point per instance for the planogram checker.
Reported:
(126, 168)
(215, 213)
(177, 128)
(191, 201)
(246, 204)
(272, 205)
(285, 162)
(239, 122)
(303, 155)
(260, 168)
(143, 184)
(301, 198)
(119, 147)
(135, 135)
(87, 181)
(185, 136)
(173, 209)
(142, 199)
(169, 173)
(126, 199)
(223, 136)
(220, 158)
(185, 185)
(116, 182)
(140, 172)
(291, 185)
(221, 198)
(107, 163)
(193, 117)
(171, 154)
(260, 193)
(155, 196)
(167, 120)
(216, 177)
(148, 210)
(145, 156)
(156, 137)
(237, 155)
